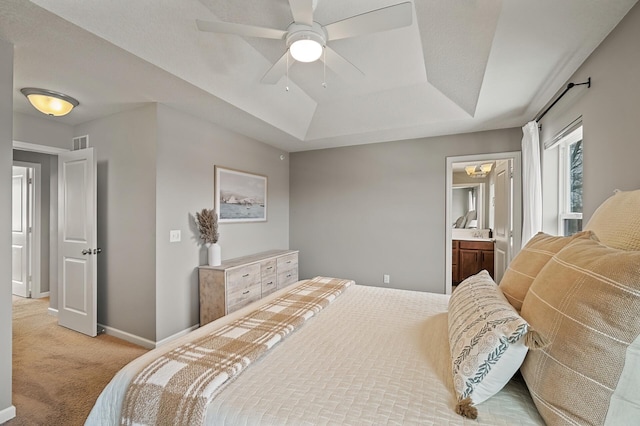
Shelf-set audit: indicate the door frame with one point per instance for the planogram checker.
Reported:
(34, 220)
(516, 156)
(53, 225)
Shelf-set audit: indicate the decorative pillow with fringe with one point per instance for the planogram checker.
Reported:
(488, 341)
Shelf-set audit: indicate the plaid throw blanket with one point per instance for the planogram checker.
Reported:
(177, 387)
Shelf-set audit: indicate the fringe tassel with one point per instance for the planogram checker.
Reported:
(534, 340)
(466, 409)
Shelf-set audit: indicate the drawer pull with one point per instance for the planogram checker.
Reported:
(270, 283)
(245, 275)
(288, 261)
(288, 275)
(245, 292)
(270, 267)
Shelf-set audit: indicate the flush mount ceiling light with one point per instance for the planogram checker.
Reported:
(50, 102)
(479, 171)
(306, 44)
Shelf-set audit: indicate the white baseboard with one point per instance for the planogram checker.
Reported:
(175, 336)
(52, 312)
(132, 338)
(141, 341)
(43, 294)
(7, 414)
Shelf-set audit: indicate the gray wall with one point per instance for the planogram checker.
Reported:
(6, 143)
(610, 111)
(126, 155)
(188, 149)
(42, 131)
(155, 170)
(46, 162)
(363, 211)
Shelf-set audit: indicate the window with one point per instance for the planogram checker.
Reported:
(570, 190)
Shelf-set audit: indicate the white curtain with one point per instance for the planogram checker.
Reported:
(531, 182)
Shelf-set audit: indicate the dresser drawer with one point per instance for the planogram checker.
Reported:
(289, 261)
(287, 277)
(243, 297)
(268, 267)
(239, 279)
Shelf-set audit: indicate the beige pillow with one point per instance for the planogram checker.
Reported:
(617, 221)
(586, 303)
(525, 266)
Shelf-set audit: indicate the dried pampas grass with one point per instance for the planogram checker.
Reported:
(207, 221)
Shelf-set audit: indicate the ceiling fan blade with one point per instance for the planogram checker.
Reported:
(340, 65)
(387, 18)
(239, 29)
(302, 11)
(278, 69)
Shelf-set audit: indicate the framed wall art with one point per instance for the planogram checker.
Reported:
(240, 196)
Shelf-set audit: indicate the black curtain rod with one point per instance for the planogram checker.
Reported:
(569, 87)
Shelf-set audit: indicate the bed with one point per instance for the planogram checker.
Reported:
(383, 356)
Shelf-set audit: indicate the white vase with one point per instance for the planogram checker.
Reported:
(214, 254)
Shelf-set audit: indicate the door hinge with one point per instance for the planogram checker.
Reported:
(30, 230)
(29, 181)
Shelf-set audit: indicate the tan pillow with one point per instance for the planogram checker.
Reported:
(586, 303)
(617, 221)
(525, 266)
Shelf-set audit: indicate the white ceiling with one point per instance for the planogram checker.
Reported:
(462, 66)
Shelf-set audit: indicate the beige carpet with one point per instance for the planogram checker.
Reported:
(58, 373)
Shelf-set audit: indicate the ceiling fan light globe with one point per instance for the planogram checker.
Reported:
(306, 50)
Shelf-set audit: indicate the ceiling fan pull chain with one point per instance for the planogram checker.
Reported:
(324, 67)
(287, 85)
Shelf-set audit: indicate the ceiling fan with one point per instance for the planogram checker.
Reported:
(306, 40)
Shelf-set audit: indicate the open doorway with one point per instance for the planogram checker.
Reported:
(44, 266)
(26, 234)
(483, 214)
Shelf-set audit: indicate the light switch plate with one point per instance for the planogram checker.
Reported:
(174, 236)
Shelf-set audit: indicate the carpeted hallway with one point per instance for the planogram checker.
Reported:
(58, 373)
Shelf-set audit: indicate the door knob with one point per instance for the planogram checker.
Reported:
(97, 250)
(85, 251)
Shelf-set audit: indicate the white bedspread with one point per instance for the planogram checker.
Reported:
(375, 356)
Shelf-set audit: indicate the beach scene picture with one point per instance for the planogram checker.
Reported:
(240, 196)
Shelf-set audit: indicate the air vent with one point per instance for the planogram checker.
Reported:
(81, 142)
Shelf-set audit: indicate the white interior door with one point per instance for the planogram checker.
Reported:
(20, 231)
(77, 240)
(503, 219)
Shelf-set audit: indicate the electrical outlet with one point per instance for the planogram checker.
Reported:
(174, 236)
(386, 279)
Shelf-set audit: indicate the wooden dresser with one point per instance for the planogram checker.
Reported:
(240, 281)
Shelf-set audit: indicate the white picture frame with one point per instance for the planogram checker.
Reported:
(240, 196)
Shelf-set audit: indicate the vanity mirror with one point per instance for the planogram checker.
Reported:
(468, 205)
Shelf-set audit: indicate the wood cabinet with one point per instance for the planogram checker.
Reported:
(474, 256)
(240, 281)
(455, 254)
